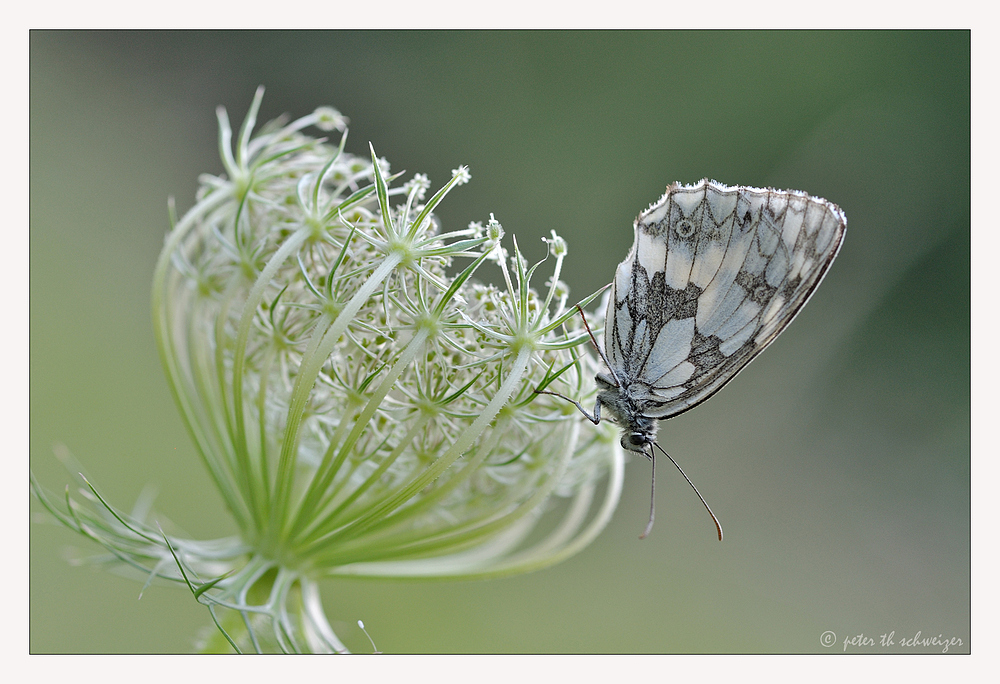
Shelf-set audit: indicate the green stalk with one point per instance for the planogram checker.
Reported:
(458, 447)
(304, 381)
(469, 533)
(319, 484)
(254, 298)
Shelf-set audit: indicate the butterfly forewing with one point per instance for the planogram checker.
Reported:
(714, 275)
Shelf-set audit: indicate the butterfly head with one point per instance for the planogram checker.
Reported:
(638, 442)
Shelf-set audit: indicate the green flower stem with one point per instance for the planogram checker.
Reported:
(205, 366)
(376, 546)
(311, 365)
(483, 451)
(465, 440)
(321, 482)
(324, 477)
(252, 487)
(544, 555)
(343, 510)
(261, 470)
(483, 565)
(163, 319)
(381, 537)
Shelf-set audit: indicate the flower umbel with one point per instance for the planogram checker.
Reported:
(363, 404)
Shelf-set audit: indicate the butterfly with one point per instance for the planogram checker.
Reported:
(715, 274)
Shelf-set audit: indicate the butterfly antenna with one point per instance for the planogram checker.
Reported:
(652, 498)
(600, 352)
(707, 508)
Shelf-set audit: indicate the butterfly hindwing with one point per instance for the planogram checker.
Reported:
(714, 275)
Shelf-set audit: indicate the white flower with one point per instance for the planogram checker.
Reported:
(557, 246)
(418, 186)
(462, 175)
(329, 119)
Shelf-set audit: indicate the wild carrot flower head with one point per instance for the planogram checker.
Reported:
(363, 403)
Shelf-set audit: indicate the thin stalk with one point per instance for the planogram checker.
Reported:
(535, 558)
(324, 477)
(254, 298)
(471, 532)
(483, 450)
(162, 316)
(304, 381)
(456, 450)
(342, 511)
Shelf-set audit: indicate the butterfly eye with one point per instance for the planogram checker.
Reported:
(636, 440)
(684, 229)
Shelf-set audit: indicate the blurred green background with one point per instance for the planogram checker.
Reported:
(838, 462)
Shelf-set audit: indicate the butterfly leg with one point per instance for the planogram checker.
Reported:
(595, 419)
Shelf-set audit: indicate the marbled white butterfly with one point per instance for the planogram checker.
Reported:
(714, 275)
